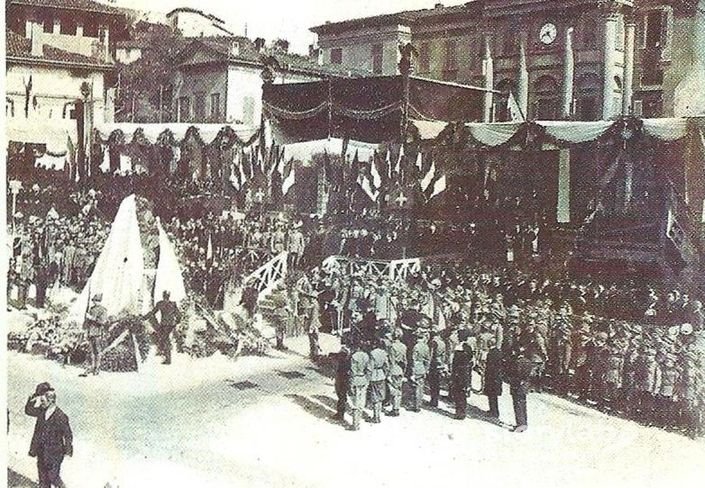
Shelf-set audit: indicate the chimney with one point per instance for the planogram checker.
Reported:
(259, 44)
(438, 5)
(37, 44)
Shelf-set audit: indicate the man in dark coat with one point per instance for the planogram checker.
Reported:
(170, 317)
(439, 367)
(342, 381)
(493, 377)
(461, 374)
(52, 438)
(522, 367)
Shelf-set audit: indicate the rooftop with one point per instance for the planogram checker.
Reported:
(82, 5)
(247, 53)
(20, 48)
(405, 17)
(196, 11)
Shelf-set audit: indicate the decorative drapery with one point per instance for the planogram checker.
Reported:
(495, 134)
(174, 134)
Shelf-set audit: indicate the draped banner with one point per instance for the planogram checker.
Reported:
(495, 134)
(153, 133)
(363, 109)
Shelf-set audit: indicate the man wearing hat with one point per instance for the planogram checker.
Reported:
(493, 377)
(519, 387)
(379, 371)
(170, 318)
(359, 381)
(461, 374)
(52, 438)
(439, 367)
(95, 322)
(397, 368)
(420, 363)
(342, 380)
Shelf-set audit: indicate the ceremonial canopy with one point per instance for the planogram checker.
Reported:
(364, 109)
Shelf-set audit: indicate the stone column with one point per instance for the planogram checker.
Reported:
(568, 75)
(628, 78)
(609, 60)
(523, 78)
(488, 65)
(563, 204)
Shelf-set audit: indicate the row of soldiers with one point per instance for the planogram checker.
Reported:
(373, 367)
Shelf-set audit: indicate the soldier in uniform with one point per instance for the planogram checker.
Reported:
(666, 391)
(493, 378)
(379, 370)
(342, 381)
(96, 320)
(397, 368)
(645, 382)
(359, 381)
(170, 318)
(420, 363)
(439, 367)
(280, 302)
(461, 374)
(519, 387)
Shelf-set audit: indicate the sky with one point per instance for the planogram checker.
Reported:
(288, 19)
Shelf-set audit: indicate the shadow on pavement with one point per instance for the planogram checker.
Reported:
(16, 480)
(314, 408)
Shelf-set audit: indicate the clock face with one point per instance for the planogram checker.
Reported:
(548, 33)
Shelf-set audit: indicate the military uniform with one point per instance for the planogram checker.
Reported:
(395, 378)
(96, 320)
(359, 381)
(461, 378)
(519, 388)
(379, 369)
(170, 317)
(342, 381)
(493, 380)
(420, 363)
(438, 367)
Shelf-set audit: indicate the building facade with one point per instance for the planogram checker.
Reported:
(191, 22)
(59, 52)
(568, 59)
(219, 79)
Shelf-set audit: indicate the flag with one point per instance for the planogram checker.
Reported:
(289, 181)
(374, 173)
(71, 159)
(428, 178)
(397, 166)
(209, 250)
(419, 161)
(439, 186)
(515, 113)
(388, 164)
(365, 184)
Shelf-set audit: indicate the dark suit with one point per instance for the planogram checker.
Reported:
(493, 379)
(460, 379)
(519, 387)
(52, 439)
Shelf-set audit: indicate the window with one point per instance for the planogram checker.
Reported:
(184, 109)
(501, 100)
(215, 106)
(425, 58)
(589, 34)
(68, 27)
(199, 106)
(336, 56)
(654, 29)
(450, 66)
(377, 58)
(48, 25)
(546, 98)
(588, 93)
(509, 46)
(9, 107)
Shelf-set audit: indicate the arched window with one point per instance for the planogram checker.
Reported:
(546, 98)
(9, 107)
(501, 100)
(588, 92)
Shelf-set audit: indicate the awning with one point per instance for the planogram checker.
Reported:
(207, 132)
(54, 133)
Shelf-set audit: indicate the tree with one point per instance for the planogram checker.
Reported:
(146, 86)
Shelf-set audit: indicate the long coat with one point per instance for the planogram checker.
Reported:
(52, 437)
(493, 373)
(461, 370)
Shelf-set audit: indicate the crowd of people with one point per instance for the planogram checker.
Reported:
(543, 335)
